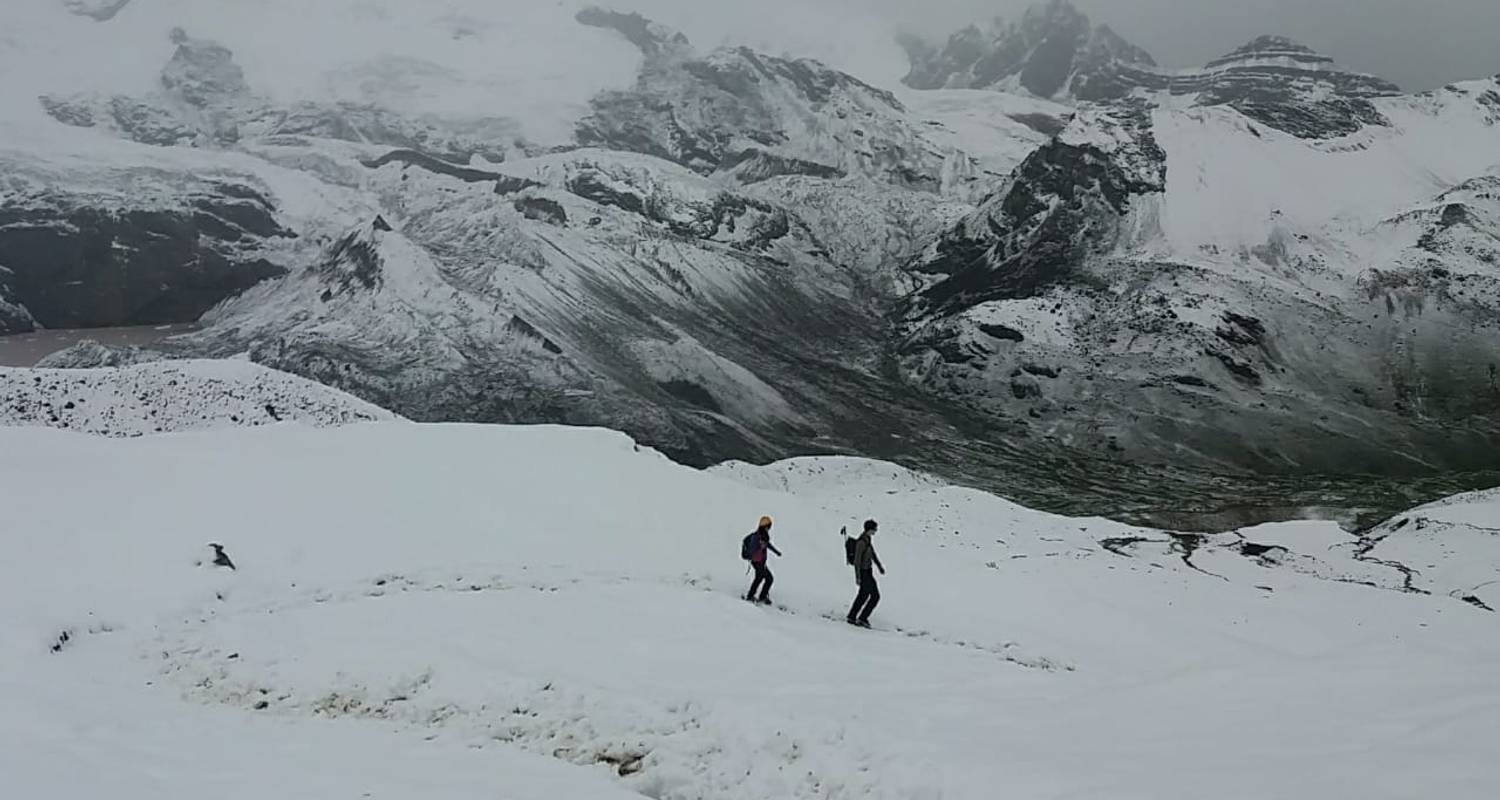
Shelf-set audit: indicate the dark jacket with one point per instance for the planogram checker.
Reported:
(761, 544)
(865, 558)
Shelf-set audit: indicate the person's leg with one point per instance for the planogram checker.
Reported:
(859, 599)
(765, 589)
(873, 589)
(755, 584)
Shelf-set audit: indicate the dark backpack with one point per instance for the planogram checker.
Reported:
(748, 547)
(850, 544)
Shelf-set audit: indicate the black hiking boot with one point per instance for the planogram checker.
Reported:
(864, 623)
(765, 601)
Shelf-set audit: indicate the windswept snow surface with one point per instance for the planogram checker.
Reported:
(461, 611)
(169, 397)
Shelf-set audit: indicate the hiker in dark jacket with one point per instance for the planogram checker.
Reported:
(760, 588)
(865, 564)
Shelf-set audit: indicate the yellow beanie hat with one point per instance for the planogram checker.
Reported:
(765, 522)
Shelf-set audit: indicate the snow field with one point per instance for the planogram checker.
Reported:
(483, 609)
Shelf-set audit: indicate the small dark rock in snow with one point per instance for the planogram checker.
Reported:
(221, 559)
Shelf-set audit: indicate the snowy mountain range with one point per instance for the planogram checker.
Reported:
(1042, 261)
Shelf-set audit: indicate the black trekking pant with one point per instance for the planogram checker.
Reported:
(760, 588)
(868, 597)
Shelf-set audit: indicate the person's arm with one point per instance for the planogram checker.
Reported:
(773, 548)
(878, 565)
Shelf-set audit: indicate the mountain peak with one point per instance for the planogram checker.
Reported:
(1273, 47)
(653, 39)
(1053, 12)
(1054, 49)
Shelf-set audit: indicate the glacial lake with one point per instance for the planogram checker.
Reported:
(25, 349)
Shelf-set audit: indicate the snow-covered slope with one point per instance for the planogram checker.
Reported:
(168, 397)
(1151, 269)
(431, 611)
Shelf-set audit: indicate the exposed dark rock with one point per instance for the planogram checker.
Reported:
(74, 265)
(652, 39)
(136, 120)
(754, 165)
(743, 222)
(750, 224)
(1122, 545)
(221, 558)
(1191, 380)
(1061, 205)
(590, 185)
(1409, 575)
(353, 260)
(1002, 332)
(14, 318)
(1053, 48)
(528, 330)
(504, 184)
(203, 73)
(693, 393)
(1241, 330)
(1041, 123)
(1025, 389)
(542, 209)
(1267, 555)
(1240, 369)
(1474, 600)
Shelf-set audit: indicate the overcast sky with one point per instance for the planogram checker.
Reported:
(1419, 44)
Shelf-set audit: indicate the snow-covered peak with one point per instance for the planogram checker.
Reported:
(757, 116)
(203, 73)
(1275, 70)
(1271, 47)
(1056, 51)
(1052, 51)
